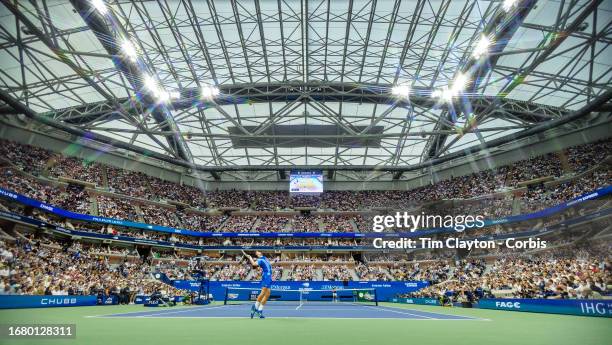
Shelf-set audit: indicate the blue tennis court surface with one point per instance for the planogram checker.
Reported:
(327, 311)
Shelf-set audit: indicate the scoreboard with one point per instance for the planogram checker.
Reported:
(306, 181)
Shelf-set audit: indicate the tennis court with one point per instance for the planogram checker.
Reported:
(323, 310)
(301, 303)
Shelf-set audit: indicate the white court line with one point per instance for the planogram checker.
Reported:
(359, 308)
(291, 317)
(180, 311)
(153, 312)
(461, 316)
(401, 312)
(143, 311)
(163, 313)
(318, 309)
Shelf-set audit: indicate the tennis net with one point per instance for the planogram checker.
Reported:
(303, 296)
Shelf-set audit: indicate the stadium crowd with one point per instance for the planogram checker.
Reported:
(28, 178)
(50, 265)
(33, 268)
(576, 271)
(44, 266)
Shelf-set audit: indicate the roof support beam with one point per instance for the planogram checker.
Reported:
(540, 58)
(595, 105)
(501, 29)
(109, 32)
(111, 101)
(328, 92)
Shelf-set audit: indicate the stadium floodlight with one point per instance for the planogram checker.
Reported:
(482, 47)
(209, 92)
(162, 96)
(151, 84)
(401, 91)
(447, 93)
(508, 5)
(159, 92)
(100, 6)
(128, 49)
(436, 94)
(459, 84)
(444, 94)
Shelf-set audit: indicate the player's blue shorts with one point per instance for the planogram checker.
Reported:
(266, 281)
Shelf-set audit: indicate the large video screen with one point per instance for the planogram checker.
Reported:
(306, 182)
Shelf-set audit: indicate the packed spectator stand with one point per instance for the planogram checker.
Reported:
(92, 188)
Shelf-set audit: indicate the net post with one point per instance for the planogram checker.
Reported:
(376, 297)
(301, 297)
(225, 297)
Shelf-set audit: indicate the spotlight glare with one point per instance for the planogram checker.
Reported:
(402, 91)
(482, 47)
(175, 95)
(209, 92)
(100, 5)
(162, 96)
(508, 5)
(156, 91)
(150, 83)
(443, 94)
(448, 94)
(128, 49)
(206, 92)
(459, 84)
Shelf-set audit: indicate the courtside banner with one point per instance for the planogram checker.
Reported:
(488, 222)
(422, 301)
(584, 307)
(28, 301)
(385, 291)
(96, 235)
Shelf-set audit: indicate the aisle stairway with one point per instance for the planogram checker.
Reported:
(318, 274)
(321, 228)
(139, 213)
(50, 163)
(389, 275)
(516, 206)
(93, 205)
(286, 274)
(104, 176)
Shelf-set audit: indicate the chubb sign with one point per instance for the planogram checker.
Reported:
(58, 301)
(25, 301)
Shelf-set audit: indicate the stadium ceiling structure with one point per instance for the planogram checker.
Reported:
(264, 84)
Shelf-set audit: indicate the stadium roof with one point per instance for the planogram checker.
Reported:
(385, 83)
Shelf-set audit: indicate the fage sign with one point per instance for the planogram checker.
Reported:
(584, 307)
(508, 305)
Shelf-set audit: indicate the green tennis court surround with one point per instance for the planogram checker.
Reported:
(483, 328)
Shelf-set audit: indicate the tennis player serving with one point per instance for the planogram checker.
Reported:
(266, 281)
